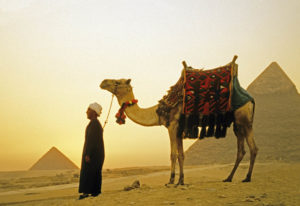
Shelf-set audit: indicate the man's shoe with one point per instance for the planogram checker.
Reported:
(83, 196)
(95, 194)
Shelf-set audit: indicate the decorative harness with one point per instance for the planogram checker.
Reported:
(121, 115)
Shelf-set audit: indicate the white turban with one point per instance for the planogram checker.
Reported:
(96, 107)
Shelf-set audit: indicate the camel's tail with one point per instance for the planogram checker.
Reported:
(253, 111)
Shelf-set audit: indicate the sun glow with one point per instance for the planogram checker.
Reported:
(54, 54)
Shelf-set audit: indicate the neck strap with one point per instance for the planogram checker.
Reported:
(121, 115)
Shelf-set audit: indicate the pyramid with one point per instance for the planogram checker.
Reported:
(53, 160)
(273, 80)
(276, 124)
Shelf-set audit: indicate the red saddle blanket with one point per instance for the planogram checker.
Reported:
(207, 91)
(206, 98)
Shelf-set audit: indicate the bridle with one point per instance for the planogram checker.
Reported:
(120, 119)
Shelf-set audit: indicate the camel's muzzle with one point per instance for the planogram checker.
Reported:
(103, 84)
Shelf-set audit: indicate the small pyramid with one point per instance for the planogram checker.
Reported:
(53, 160)
(273, 80)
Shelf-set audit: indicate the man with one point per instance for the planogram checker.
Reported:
(93, 155)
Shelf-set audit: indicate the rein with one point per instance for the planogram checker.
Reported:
(112, 97)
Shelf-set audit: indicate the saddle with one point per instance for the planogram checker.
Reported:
(206, 99)
(206, 102)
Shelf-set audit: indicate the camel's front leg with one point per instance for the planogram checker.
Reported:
(173, 155)
(180, 160)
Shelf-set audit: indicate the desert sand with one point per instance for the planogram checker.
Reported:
(273, 183)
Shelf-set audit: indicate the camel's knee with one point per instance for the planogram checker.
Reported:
(173, 157)
(181, 156)
(241, 154)
(254, 151)
(252, 146)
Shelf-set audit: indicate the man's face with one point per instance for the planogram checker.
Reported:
(90, 113)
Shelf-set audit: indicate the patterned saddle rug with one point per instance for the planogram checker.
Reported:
(207, 91)
(206, 99)
(207, 102)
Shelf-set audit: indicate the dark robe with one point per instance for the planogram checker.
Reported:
(91, 172)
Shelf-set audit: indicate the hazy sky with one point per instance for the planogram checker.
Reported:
(54, 55)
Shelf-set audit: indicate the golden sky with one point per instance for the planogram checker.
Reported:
(54, 54)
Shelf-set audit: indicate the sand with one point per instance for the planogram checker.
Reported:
(273, 183)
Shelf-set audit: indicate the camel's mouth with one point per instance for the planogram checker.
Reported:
(104, 84)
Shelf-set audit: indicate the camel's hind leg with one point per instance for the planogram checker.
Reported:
(253, 152)
(240, 154)
(243, 130)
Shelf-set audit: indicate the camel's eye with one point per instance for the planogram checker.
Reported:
(117, 83)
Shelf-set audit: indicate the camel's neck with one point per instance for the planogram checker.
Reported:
(145, 117)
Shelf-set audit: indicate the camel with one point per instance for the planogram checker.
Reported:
(243, 120)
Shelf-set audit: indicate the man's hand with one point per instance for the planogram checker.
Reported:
(87, 158)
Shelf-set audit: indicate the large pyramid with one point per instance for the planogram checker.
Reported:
(53, 160)
(276, 124)
(273, 80)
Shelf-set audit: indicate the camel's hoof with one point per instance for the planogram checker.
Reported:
(171, 181)
(182, 186)
(247, 180)
(169, 185)
(227, 180)
(179, 184)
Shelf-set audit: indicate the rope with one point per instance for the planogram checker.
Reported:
(112, 97)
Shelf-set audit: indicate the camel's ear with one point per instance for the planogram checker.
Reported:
(128, 81)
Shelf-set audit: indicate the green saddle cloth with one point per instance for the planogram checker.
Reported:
(239, 95)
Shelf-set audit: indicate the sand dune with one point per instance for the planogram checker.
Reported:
(274, 183)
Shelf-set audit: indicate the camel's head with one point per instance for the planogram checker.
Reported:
(118, 87)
